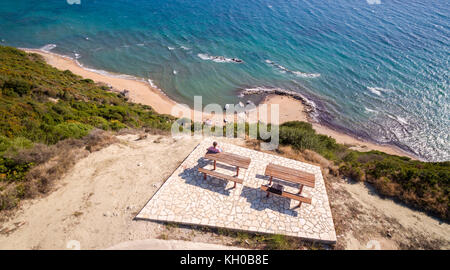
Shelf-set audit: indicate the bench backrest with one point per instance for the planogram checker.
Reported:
(231, 159)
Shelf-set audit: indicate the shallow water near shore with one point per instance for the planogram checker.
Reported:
(376, 71)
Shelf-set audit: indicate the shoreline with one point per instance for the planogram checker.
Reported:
(142, 92)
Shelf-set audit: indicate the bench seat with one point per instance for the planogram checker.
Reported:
(221, 176)
(288, 195)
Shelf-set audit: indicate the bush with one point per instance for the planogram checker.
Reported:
(7, 201)
(11, 170)
(16, 87)
(302, 136)
(12, 146)
(68, 130)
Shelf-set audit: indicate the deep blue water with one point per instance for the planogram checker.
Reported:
(378, 71)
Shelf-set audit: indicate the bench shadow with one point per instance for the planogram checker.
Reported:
(258, 201)
(224, 166)
(191, 176)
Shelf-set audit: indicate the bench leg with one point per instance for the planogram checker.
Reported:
(237, 171)
(234, 185)
(268, 193)
(270, 182)
(204, 176)
(299, 191)
(214, 165)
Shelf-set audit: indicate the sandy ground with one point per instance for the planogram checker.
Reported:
(141, 92)
(364, 220)
(96, 202)
(159, 244)
(93, 207)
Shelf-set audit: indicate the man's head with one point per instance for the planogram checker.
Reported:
(214, 144)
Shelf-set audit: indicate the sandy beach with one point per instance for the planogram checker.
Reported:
(142, 92)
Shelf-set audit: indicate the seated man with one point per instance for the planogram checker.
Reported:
(214, 149)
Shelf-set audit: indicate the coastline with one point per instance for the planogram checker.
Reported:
(142, 92)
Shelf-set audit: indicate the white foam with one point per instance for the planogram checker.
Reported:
(175, 72)
(48, 47)
(306, 75)
(77, 55)
(398, 119)
(204, 56)
(402, 120)
(218, 59)
(283, 69)
(171, 48)
(375, 90)
(185, 48)
(370, 111)
(379, 90)
(140, 44)
(152, 84)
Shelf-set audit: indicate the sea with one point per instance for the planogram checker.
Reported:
(375, 69)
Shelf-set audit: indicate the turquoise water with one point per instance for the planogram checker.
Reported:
(378, 71)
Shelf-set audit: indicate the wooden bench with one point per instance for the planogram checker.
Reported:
(220, 175)
(290, 175)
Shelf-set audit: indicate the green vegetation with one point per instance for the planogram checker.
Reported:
(425, 185)
(40, 105)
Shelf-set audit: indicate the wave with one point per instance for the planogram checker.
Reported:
(297, 73)
(378, 90)
(306, 75)
(48, 47)
(152, 84)
(170, 48)
(219, 59)
(402, 121)
(185, 48)
(370, 111)
(374, 90)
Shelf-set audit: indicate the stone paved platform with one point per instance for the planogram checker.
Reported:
(186, 198)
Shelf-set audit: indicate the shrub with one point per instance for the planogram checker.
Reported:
(12, 146)
(11, 170)
(68, 130)
(16, 87)
(278, 242)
